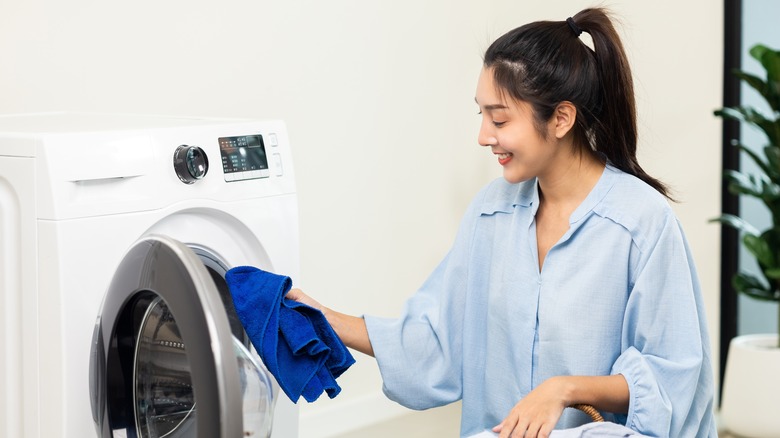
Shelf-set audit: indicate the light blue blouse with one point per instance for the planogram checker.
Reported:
(618, 294)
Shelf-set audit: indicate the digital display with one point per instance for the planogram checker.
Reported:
(243, 157)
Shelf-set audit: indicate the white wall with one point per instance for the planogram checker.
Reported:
(378, 98)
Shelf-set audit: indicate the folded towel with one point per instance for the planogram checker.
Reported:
(295, 341)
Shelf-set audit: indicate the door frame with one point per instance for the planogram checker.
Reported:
(732, 59)
(161, 266)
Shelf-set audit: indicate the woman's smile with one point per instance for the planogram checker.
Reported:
(504, 158)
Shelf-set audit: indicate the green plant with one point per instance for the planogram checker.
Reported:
(763, 185)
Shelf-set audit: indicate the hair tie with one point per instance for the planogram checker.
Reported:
(574, 28)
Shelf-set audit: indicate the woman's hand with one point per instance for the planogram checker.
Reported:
(351, 329)
(298, 295)
(537, 413)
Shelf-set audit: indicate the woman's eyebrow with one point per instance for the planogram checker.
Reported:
(492, 106)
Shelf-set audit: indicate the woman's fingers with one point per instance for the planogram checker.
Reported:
(541, 430)
(296, 294)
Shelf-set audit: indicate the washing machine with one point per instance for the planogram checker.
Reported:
(116, 231)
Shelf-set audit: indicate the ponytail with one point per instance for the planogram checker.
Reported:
(545, 63)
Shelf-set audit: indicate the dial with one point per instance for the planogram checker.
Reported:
(190, 163)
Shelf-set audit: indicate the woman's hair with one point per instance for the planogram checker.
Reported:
(545, 63)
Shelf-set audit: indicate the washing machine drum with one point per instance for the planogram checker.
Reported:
(165, 362)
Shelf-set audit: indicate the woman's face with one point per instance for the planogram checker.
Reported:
(508, 129)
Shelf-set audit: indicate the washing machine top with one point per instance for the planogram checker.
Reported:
(91, 164)
(71, 122)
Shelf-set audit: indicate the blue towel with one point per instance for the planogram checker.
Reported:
(295, 341)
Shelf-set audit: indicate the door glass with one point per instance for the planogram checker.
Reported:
(164, 398)
(256, 393)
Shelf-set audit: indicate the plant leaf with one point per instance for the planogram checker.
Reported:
(741, 184)
(772, 154)
(753, 117)
(757, 185)
(757, 51)
(765, 165)
(738, 223)
(754, 81)
(750, 285)
(760, 250)
(768, 58)
(773, 273)
(766, 90)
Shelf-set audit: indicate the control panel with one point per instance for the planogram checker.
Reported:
(244, 157)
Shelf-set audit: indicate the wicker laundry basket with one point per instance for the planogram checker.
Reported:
(590, 410)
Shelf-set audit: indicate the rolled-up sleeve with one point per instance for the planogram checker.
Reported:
(663, 358)
(420, 354)
(418, 357)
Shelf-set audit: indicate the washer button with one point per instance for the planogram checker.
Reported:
(272, 140)
(278, 164)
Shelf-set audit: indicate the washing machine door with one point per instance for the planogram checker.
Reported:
(164, 361)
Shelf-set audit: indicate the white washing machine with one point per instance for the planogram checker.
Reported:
(115, 235)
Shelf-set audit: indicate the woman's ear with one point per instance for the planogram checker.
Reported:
(564, 117)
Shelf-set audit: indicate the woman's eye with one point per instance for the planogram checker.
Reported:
(495, 123)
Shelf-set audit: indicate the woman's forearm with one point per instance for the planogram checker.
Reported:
(607, 393)
(351, 329)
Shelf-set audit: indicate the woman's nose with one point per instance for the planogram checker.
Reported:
(486, 135)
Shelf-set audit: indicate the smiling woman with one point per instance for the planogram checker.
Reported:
(381, 109)
(575, 227)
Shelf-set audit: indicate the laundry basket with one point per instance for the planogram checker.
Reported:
(590, 410)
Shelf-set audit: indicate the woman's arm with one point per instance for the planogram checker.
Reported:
(606, 393)
(351, 329)
(538, 412)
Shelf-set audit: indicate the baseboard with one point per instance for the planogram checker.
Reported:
(339, 418)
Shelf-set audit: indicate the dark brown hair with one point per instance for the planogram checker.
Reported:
(545, 63)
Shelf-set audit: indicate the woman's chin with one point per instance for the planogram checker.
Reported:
(513, 178)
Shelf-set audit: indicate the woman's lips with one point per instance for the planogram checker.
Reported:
(504, 158)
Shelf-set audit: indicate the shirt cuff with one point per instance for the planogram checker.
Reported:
(649, 409)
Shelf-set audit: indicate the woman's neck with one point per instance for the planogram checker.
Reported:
(572, 180)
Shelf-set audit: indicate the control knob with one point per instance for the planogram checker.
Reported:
(190, 163)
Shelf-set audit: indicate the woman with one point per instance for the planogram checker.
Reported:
(570, 280)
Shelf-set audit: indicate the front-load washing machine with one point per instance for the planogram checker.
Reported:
(115, 235)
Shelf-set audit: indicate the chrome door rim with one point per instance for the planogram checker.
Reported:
(161, 266)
